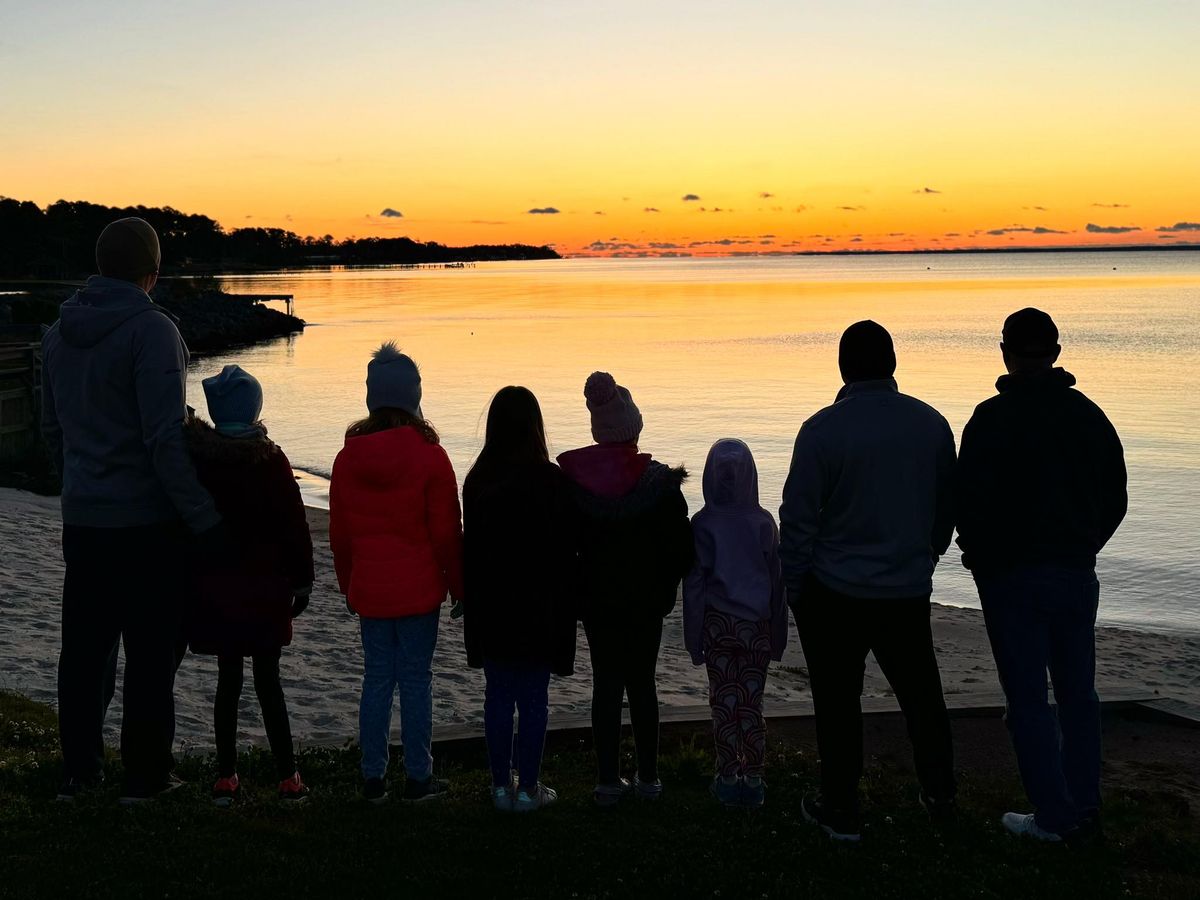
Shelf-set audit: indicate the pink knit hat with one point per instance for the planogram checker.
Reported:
(615, 417)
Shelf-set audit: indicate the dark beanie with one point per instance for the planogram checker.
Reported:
(1030, 334)
(128, 249)
(866, 352)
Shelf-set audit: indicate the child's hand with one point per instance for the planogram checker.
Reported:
(299, 604)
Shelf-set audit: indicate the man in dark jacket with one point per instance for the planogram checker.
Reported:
(114, 375)
(1042, 489)
(867, 510)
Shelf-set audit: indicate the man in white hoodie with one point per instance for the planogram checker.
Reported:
(867, 510)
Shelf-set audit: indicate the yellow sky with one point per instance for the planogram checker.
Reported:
(463, 116)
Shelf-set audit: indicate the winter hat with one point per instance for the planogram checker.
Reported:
(128, 249)
(615, 417)
(235, 398)
(1030, 334)
(393, 380)
(866, 353)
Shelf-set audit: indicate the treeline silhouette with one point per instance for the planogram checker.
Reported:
(59, 242)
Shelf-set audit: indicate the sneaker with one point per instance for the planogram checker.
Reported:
(136, 795)
(839, 825)
(754, 792)
(1024, 825)
(727, 793)
(429, 789)
(74, 788)
(610, 794)
(504, 796)
(941, 812)
(647, 790)
(225, 792)
(293, 791)
(531, 802)
(375, 791)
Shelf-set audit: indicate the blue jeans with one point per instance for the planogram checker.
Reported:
(397, 653)
(526, 688)
(1043, 618)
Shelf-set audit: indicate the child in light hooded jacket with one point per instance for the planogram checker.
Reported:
(735, 616)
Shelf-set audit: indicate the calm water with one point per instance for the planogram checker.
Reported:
(747, 348)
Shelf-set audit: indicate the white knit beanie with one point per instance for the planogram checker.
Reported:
(615, 417)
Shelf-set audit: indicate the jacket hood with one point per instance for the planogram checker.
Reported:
(1057, 377)
(99, 308)
(376, 455)
(206, 443)
(606, 470)
(730, 477)
(646, 491)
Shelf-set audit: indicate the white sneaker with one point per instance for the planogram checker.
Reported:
(647, 790)
(503, 798)
(1024, 825)
(530, 802)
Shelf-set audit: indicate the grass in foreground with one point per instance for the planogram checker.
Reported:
(683, 846)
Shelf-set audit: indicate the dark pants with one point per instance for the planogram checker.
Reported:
(624, 661)
(1038, 619)
(123, 585)
(837, 632)
(526, 689)
(274, 712)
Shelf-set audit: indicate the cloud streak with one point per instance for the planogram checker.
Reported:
(543, 211)
(1013, 229)
(389, 213)
(1111, 229)
(690, 198)
(1180, 226)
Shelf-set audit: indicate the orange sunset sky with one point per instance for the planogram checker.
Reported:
(591, 126)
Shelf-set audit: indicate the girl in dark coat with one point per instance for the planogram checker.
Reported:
(520, 609)
(244, 605)
(636, 546)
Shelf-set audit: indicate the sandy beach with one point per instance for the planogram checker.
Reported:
(322, 668)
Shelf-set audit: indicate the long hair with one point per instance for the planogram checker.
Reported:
(515, 433)
(387, 417)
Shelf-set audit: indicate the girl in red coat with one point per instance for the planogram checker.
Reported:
(244, 605)
(396, 530)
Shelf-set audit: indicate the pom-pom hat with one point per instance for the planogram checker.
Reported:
(615, 417)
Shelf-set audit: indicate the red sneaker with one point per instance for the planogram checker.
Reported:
(293, 790)
(226, 791)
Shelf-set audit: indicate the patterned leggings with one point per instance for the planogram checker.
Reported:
(737, 653)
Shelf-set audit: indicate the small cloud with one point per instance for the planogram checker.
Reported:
(766, 235)
(688, 198)
(896, 233)
(664, 245)
(389, 213)
(765, 195)
(952, 234)
(650, 209)
(852, 208)
(926, 190)
(1014, 229)
(610, 246)
(856, 240)
(598, 212)
(486, 222)
(1178, 226)
(543, 211)
(1111, 229)
(1035, 208)
(800, 208)
(1111, 205)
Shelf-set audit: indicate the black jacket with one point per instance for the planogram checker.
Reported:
(1041, 476)
(635, 547)
(520, 565)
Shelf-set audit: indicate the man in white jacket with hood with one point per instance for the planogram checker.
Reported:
(867, 510)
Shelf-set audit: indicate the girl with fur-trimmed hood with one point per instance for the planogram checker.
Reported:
(243, 605)
(636, 545)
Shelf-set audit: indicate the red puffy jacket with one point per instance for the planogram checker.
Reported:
(395, 525)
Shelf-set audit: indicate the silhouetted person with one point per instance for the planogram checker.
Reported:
(867, 510)
(114, 377)
(1042, 489)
